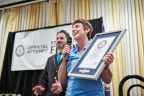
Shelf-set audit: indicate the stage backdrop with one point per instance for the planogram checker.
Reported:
(22, 82)
(32, 48)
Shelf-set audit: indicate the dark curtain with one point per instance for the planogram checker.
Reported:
(97, 26)
(22, 82)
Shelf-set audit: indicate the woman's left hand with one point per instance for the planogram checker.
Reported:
(108, 58)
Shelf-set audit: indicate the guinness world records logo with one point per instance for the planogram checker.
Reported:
(102, 44)
(20, 50)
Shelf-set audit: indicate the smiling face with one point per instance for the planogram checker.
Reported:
(61, 41)
(78, 32)
(86, 24)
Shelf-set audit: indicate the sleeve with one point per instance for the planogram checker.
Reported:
(64, 86)
(43, 81)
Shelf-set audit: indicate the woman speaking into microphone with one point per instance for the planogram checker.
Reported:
(81, 32)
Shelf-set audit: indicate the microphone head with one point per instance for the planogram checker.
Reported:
(69, 40)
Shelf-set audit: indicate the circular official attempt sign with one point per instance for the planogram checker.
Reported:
(19, 50)
(102, 44)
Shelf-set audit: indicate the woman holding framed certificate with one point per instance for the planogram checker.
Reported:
(81, 32)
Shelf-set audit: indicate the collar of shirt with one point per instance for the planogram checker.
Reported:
(58, 54)
(76, 48)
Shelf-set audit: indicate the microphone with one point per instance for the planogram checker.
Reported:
(69, 41)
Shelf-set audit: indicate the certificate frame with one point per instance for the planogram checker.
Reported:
(94, 73)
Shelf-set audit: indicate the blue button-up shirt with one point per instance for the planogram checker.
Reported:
(82, 87)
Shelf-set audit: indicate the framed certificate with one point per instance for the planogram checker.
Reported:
(91, 64)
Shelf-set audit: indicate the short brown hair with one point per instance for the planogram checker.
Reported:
(65, 32)
(86, 25)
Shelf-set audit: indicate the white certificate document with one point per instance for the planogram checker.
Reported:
(96, 53)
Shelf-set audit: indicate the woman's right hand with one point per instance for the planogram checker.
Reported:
(66, 50)
(62, 73)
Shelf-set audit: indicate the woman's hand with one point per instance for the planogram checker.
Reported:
(108, 58)
(106, 73)
(66, 50)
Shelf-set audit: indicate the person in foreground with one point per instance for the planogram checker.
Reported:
(48, 80)
(81, 32)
